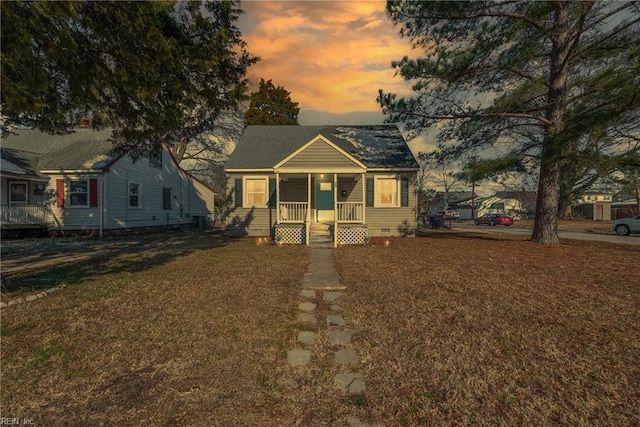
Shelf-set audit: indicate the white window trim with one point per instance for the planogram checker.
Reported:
(376, 188)
(245, 204)
(26, 193)
(129, 195)
(68, 201)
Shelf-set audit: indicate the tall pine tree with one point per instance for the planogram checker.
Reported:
(537, 78)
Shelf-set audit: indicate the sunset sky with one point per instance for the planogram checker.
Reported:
(332, 56)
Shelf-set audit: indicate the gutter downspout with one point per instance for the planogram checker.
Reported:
(103, 211)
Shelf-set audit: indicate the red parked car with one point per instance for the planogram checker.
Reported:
(495, 219)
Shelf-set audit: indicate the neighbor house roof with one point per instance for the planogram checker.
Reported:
(377, 146)
(82, 149)
(18, 163)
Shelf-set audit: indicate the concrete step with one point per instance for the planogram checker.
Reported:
(328, 245)
(320, 227)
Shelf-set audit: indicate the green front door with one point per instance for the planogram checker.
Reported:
(324, 200)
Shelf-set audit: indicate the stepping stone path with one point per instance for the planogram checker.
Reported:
(320, 310)
(346, 383)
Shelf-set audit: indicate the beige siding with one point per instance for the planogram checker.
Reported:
(397, 221)
(253, 221)
(319, 155)
(352, 187)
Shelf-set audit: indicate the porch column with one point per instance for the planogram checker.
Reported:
(335, 210)
(308, 225)
(363, 180)
(277, 198)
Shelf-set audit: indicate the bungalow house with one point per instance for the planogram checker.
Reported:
(324, 184)
(72, 182)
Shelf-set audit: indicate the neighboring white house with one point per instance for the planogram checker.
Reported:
(75, 178)
(595, 196)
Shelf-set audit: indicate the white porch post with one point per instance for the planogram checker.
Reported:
(363, 179)
(308, 225)
(277, 198)
(335, 210)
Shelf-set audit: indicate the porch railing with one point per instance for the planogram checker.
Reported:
(24, 215)
(295, 212)
(350, 212)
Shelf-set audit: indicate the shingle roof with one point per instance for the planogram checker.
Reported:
(83, 149)
(19, 163)
(377, 146)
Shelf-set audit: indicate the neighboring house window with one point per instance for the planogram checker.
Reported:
(134, 195)
(79, 192)
(256, 191)
(18, 193)
(386, 191)
(166, 198)
(155, 160)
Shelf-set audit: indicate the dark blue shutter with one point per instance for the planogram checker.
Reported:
(369, 192)
(404, 193)
(238, 192)
(272, 192)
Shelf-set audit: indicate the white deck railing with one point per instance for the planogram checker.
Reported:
(24, 215)
(295, 212)
(350, 212)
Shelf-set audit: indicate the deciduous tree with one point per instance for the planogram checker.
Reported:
(157, 72)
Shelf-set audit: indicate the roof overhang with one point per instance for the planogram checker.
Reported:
(71, 171)
(393, 169)
(24, 177)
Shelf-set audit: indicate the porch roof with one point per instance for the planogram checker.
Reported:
(19, 163)
(376, 146)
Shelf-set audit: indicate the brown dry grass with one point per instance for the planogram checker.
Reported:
(588, 226)
(192, 336)
(496, 330)
(194, 329)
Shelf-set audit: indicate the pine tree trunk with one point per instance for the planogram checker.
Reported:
(545, 228)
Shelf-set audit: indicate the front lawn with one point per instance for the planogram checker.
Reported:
(188, 332)
(450, 329)
(496, 330)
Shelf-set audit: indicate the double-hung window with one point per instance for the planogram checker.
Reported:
(18, 193)
(256, 191)
(135, 195)
(386, 191)
(79, 192)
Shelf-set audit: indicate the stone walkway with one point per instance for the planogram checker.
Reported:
(322, 290)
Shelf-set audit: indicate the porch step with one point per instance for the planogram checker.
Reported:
(320, 235)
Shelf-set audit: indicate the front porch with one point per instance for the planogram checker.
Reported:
(320, 209)
(24, 217)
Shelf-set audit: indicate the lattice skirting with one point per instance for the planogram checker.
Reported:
(352, 235)
(291, 235)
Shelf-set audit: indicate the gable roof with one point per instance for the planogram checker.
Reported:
(83, 149)
(376, 146)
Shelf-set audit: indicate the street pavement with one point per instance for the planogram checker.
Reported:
(574, 235)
